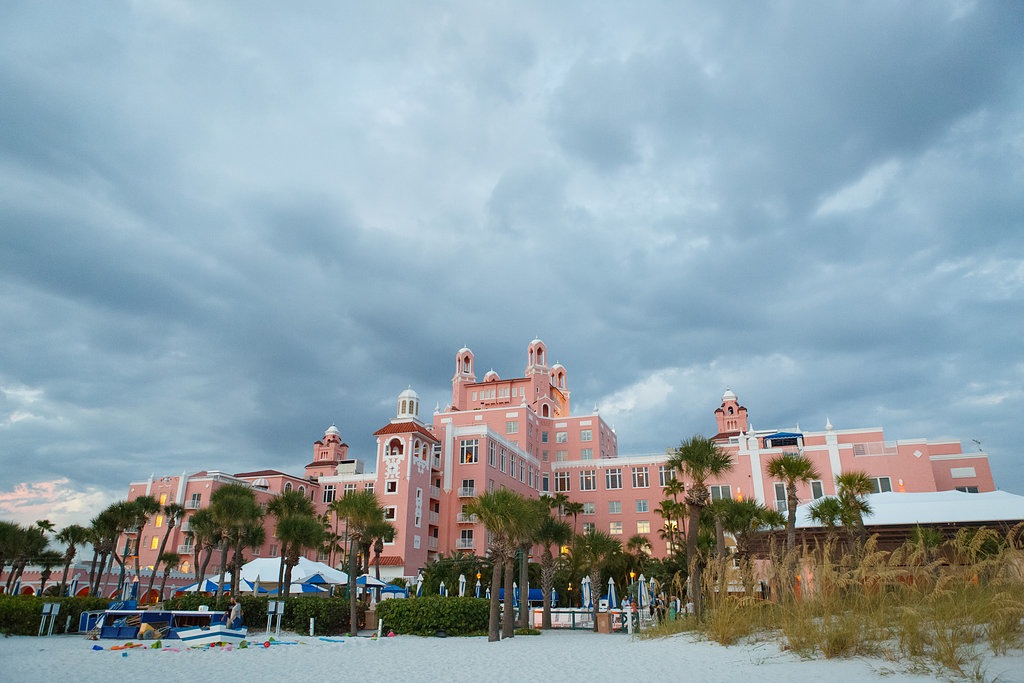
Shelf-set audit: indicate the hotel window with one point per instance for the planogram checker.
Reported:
(588, 480)
(272, 551)
(390, 512)
(349, 488)
(492, 454)
(466, 538)
(643, 527)
(586, 435)
(512, 427)
(613, 478)
(512, 467)
(721, 492)
(469, 451)
(195, 501)
(391, 487)
(641, 505)
(561, 482)
(881, 485)
(329, 493)
(287, 486)
(468, 489)
(817, 490)
(502, 457)
(640, 479)
(588, 527)
(967, 489)
(614, 507)
(589, 509)
(543, 437)
(545, 456)
(561, 437)
(780, 497)
(561, 456)
(615, 528)
(368, 486)
(159, 521)
(665, 475)
(163, 499)
(155, 544)
(545, 482)
(586, 454)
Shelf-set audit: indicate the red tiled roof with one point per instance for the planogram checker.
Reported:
(722, 436)
(262, 473)
(405, 428)
(389, 561)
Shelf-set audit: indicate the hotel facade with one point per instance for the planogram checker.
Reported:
(521, 434)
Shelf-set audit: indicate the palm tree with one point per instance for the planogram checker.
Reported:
(575, 509)
(792, 468)
(639, 547)
(381, 531)
(506, 515)
(828, 512)
(743, 519)
(144, 507)
(671, 512)
(169, 560)
(697, 459)
(293, 512)
(28, 544)
(206, 534)
(551, 532)
(235, 510)
(105, 530)
(359, 509)
(596, 550)
(674, 488)
(172, 514)
(852, 488)
(73, 535)
(48, 559)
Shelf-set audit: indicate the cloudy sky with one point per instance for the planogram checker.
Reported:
(226, 225)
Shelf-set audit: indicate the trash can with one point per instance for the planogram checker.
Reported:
(604, 622)
(371, 619)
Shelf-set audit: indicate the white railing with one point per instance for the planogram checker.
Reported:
(193, 504)
(185, 527)
(431, 543)
(186, 549)
(434, 517)
(435, 491)
(463, 518)
(465, 544)
(467, 492)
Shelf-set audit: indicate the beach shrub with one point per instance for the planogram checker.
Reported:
(20, 615)
(427, 616)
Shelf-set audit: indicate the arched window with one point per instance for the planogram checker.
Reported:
(545, 411)
(287, 486)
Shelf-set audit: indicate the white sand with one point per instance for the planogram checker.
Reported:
(558, 656)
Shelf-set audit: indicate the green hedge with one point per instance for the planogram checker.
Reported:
(331, 614)
(20, 615)
(426, 616)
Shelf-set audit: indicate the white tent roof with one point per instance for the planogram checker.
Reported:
(943, 507)
(267, 569)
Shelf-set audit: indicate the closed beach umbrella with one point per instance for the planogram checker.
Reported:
(612, 602)
(73, 587)
(443, 590)
(478, 588)
(654, 588)
(419, 585)
(515, 594)
(585, 593)
(462, 585)
(643, 597)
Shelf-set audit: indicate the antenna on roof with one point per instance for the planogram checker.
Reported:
(978, 444)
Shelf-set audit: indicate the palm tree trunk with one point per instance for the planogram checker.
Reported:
(508, 618)
(493, 629)
(694, 562)
(159, 554)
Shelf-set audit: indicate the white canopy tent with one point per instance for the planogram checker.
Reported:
(266, 570)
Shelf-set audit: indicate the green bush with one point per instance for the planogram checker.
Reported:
(20, 615)
(426, 616)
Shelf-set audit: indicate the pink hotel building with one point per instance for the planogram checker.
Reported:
(520, 434)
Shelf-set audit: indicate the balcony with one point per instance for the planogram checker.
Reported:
(463, 518)
(434, 518)
(435, 491)
(467, 492)
(193, 504)
(465, 544)
(186, 549)
(435, 463)
(185, 527)
(431, 543)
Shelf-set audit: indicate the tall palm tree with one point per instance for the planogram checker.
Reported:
(697, 459)
(381, 531)
(672, 513)
(172, 514)
(235, 510)
(359, 509)
(551, 532)
(293, 512)
(206, 534)
(144, 507)
(852, 489)
(596, 551)
(575, 509)
(73, 535)
(792, 468)
(48, 559)
(9, 533)
(105, 530)
(505, 514)
(169, 560)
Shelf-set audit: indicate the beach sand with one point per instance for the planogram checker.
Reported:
(558, 655)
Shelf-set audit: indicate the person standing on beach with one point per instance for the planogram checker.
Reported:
(235, 614)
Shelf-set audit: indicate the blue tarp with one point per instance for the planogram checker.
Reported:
(536, 595)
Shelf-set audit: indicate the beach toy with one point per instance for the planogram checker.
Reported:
(124, 654)
(243, 645)
(266, 643)
(332, 640)
(391, 634)
(97, 647)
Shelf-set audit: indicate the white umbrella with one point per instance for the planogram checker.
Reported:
(478, 588)
(371, 581)
(585, 592)
(73, 586)
(462, 585)
(419, 585)
(643, 596)
(612, 602)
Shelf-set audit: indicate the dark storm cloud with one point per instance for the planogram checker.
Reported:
(224, 228)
